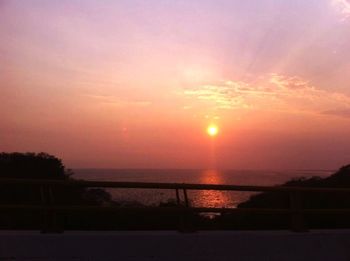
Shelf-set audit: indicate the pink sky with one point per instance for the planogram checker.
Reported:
(134, 84)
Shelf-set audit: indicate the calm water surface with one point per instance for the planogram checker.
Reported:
(198, 198)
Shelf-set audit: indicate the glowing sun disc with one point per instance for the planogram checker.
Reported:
(212, 130)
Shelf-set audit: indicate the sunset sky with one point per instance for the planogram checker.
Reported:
(135, 84)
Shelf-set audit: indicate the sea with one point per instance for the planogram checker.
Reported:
(205, 198)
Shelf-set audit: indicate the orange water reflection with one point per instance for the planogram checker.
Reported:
(211, 198)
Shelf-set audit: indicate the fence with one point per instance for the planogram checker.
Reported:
(48, 206)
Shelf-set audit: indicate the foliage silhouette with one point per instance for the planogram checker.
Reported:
(310, 200)
(33, 166)
(39, 166)
(45, 166)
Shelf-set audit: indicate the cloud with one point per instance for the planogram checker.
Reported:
(272, 92)
(229, 94)
(284, 82)
(107, 99)
(343, 6)
(341, 113)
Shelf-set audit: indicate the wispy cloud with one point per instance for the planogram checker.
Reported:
(229, 94)
(113, 100)
(341, 113)
(272, 92)
(283, 82)
(343, 6)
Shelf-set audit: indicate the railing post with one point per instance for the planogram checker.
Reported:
(187, 203)
(297, 217)
(43, 198)
(186, 221)
(178, 201)
(50, 224)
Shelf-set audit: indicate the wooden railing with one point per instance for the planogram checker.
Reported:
(295, 209)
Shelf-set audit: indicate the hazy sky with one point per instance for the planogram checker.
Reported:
(134, 84)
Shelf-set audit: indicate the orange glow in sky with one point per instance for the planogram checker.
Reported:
(170, 84)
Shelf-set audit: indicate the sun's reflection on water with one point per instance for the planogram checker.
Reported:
(213, 198)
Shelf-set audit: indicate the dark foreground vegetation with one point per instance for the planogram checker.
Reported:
(44, 166)
(310, 200)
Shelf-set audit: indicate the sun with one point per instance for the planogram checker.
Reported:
(212, 130)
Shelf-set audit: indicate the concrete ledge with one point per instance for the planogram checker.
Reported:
(332, 245)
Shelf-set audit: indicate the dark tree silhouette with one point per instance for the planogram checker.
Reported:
(45, 166)
(310, 200)
(32, 166)
(40, 166)
(48, 167)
